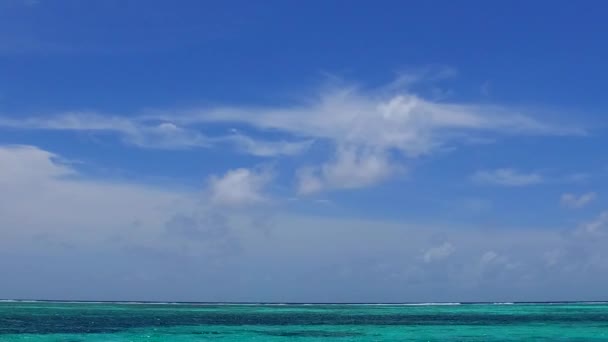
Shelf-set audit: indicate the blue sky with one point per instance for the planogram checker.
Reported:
(289, 151)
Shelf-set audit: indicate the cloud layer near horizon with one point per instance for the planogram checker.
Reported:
(60, 225)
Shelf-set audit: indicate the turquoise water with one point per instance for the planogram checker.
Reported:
(46, 321)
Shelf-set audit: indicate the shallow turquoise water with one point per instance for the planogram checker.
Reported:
(43, 321)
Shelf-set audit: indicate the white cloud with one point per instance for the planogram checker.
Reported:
(439, 252)
(396, 119)
(351, 168)
(309, 181)
(159, 134)
(76, 121)
(403, 121)
(29, 164)
(167, 135)
(41, 195)
(155, 134)
(367, 127)
(573, 201)
(506, 177)
(239, 187)
(373, 132)
(597, 227)
(267, 148)
(44, 197)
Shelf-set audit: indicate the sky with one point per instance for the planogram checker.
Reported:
(318, 151)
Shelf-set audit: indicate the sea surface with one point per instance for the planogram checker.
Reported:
(54, 321)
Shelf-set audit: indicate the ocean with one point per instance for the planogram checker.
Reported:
(79, 321)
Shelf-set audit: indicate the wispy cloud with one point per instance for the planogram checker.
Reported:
(160, 134)
(574, 201)
(404, 122)
(263, 148)
(155, 134)
(506, 177)
(372, 131)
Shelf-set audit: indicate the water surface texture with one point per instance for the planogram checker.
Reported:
(52, 321)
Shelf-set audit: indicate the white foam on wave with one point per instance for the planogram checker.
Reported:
(202, 304)
(19, 301)
(432, 304)
(400, 304)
